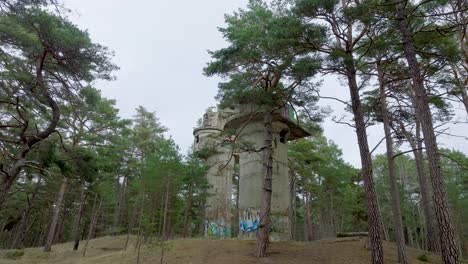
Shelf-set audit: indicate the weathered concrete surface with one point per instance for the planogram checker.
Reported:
(218, 211)
(252, 173)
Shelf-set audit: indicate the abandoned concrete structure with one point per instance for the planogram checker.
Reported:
(246, 125)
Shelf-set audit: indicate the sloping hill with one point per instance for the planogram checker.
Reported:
(108, 250)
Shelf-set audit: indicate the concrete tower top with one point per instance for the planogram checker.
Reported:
(251, 113)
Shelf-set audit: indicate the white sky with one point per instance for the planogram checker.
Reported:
(161, 47)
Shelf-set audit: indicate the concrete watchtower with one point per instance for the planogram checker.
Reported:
(247, 121)
(249, 125)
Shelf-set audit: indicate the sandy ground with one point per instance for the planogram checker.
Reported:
(108, 250)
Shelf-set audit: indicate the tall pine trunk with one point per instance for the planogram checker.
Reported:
(373, 215)
(397, 222)
(263, 238)
(448, 244)
(58, 206)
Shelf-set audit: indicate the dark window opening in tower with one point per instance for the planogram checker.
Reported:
(283, 135)
(197, 139)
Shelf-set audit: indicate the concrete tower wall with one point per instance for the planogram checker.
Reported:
(252, 173)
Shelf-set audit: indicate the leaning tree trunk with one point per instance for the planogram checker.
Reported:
(373, 215)
(397, 222)
(448, 243)
(263, 238)
(58, 206)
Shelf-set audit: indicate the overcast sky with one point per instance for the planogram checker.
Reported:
(160, 47)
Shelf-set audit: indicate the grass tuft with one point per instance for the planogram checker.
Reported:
(423, 257)
(14, 254)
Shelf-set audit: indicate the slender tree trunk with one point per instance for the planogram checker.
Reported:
(410, 236)
(236, 179)
(118, 206)
(396, 211)
(305, 226)
(129, 228)
(161, 217)
(59, 230)
(308, 217)
(373, 216)
(425, 189)
(58, 206)
(92, 224)
(332, 214)
(448, 243)
(140, 222)
(292, 204)
(188, 209)
(203, 219)
(263, 238)
(76, 228)
(164, 232)
(21, 229)
(384, 228)
(138, 243)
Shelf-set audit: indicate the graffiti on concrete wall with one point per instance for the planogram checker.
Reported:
(213, 229)
(249, 220)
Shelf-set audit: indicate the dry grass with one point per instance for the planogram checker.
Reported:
(108, 250)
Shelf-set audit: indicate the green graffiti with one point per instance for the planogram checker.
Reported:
(215, 230)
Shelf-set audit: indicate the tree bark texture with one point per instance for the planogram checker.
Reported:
(449, 248)
(263, 238)
(373, 215)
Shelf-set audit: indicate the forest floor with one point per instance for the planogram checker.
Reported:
(108, 250)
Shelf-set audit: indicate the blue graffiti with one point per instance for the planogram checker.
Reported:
(249, 220)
